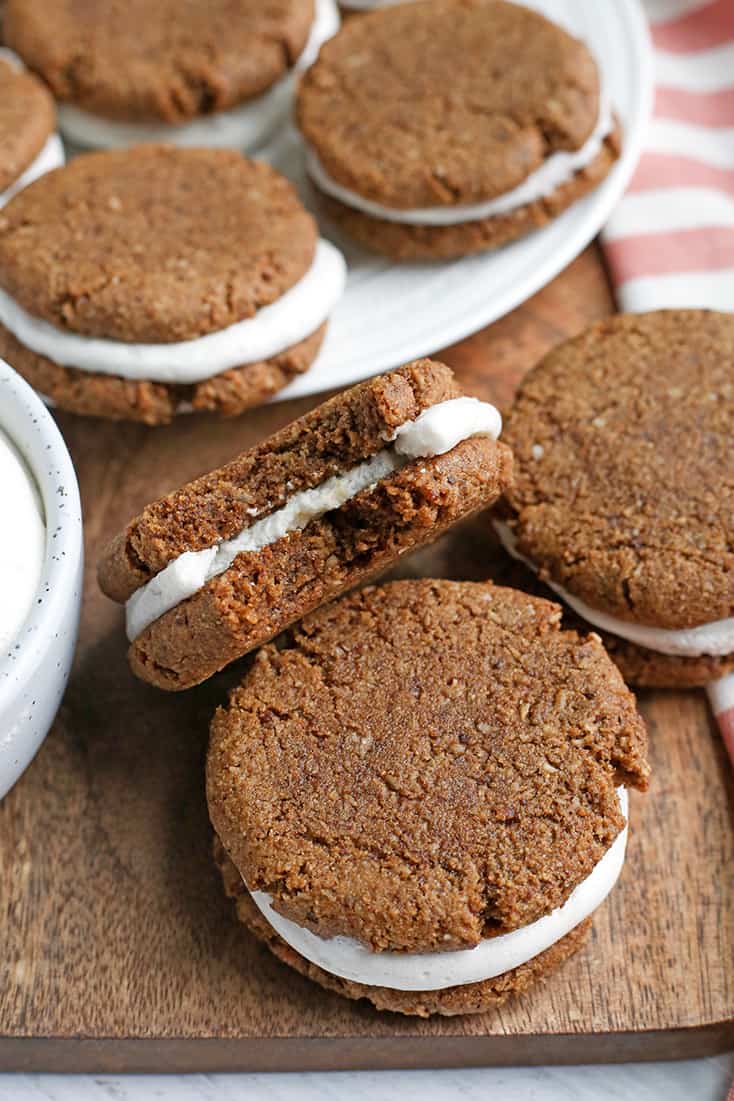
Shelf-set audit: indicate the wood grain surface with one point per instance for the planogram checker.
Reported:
(119, 950)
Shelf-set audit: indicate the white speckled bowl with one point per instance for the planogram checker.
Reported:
(35, 669)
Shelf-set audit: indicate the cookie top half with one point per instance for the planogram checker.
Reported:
(424, 764)
(27, 118)
(166, 61)
(624, 485)
(446, 101)
(154, 244)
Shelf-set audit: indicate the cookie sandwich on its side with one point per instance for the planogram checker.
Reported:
(623, 500)
(212, 74)
(419, 795)
(29, 144)
(156, 281)
(229, 561)
(447, 127)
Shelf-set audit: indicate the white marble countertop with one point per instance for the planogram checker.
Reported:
(699, 1080)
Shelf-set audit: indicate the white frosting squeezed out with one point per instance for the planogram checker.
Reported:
(243, 127)
(51, 156)
(22, 557)
(714, 639)
(351, 960)
(291, 318)
(555, 170)
(436, 431)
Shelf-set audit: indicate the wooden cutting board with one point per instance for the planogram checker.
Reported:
(119, 951)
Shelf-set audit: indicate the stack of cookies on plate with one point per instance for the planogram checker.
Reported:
(168, 273)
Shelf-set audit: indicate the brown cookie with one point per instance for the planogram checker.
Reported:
(167, 61)
(424, 765)
(167, 244)
(444, 104)
(453, 1001)
(155, 245)
(27, 119)
(403, 506)
(647, 669)
(227, 394)
(625, 472)
(640, 668)
(411, 242)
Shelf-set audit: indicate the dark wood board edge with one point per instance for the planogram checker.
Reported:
(213, 1055)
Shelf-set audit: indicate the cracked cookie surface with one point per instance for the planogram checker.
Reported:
(424, 764)
(624, 487)
(155, 244)
(167, 61)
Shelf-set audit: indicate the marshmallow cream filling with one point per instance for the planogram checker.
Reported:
(555, 170)
(349, 959)
(241, 127)
(51, 156)
(437, 430)
(291, 318)
(714, 639)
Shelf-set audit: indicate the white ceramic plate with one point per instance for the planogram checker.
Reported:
(392, 313)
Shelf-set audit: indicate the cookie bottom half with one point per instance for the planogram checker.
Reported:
(154, 403)
(643, 668)
(453, 1001)
(401, 241)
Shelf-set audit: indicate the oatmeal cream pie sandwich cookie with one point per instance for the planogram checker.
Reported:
(419, 795)
(229, 561)
(158, 280)
(447, 127)
(29, 144)
(623, 500)
(215, 74)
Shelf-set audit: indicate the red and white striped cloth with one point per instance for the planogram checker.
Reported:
(670, 242)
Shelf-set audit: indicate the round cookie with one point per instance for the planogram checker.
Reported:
(28, 143)
(219, 73)
(623, 499)
(224, 564)
(404, 769)
(141, 283)
(452, 126)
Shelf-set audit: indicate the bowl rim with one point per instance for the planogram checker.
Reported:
(28, 424)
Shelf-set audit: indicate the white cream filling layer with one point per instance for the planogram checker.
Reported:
(434, 432)
(710, 639)
(349, 959)
(244, 127)
(50, 157)
(291, 318)
(22, 557)
(555, 170)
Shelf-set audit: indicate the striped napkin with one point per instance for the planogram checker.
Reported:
(670, 242)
